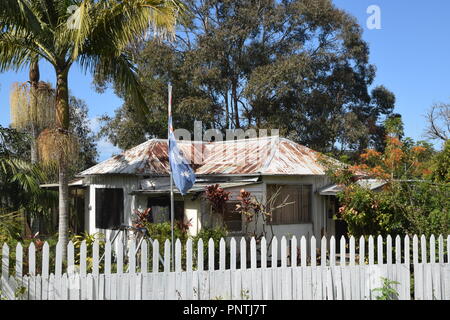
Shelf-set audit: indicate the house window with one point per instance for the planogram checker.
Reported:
(231, 219)
(161, 210)
(108, 208)
(299, 212)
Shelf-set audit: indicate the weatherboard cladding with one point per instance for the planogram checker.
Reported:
(270, 156)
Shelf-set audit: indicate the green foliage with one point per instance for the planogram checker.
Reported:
(216, 234)
(163, 232)
(210, 233)
(10, 226)
(414, 199)
(387, 292)
(20, 193)
(77, 240)
(441, 165)
(297, 65)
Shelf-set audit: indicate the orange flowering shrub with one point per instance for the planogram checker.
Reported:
(409, 203)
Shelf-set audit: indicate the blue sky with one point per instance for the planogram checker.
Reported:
(411, 52)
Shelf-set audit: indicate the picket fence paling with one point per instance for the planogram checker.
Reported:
(323, 252)
(178, 256)
(294, 253)
(423, 243)
(211, 254)
(167, 256)
(332, 251)
(274, 262)
(155, 266)
(441, 248)
(303, 252)
(380, 249)
(19, 260)
(253, 262)
(389, 250)
(283, 252)
(407, 250)
(362, 256)
(352, 251)
(398, 249)
(189, 255)
(233, 254)
(32, 260)
(313, 251)
(200, 255)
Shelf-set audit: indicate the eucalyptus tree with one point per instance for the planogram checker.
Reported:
(92, 33)
(301, 66)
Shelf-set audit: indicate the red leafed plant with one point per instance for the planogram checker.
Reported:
(184, 225)
(218, 197)
(141, 217)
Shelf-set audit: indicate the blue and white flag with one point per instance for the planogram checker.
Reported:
(182, 173)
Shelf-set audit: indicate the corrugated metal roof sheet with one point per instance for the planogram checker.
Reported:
(266, 156)
(371, 184)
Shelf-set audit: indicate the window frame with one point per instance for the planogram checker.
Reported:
(300, 186)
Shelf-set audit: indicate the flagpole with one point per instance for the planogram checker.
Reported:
(172, 206)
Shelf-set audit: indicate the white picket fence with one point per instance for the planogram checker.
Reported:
(240, 271)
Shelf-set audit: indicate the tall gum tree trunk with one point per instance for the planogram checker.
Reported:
(62, 123)
(235, 103)
(63, 229)
(34, 76)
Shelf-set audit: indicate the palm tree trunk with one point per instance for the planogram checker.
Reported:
(34, 148)
(62, 100)
(63, 228)
(34, 76)
(62, 123)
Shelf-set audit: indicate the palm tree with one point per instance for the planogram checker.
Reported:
(93, 33)
(32, 107)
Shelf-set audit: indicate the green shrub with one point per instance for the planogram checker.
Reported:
(205, 234)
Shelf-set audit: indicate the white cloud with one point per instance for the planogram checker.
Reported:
(106, 150)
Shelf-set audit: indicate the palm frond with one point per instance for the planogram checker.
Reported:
(16, 50)
(20, 15)
(27, 175)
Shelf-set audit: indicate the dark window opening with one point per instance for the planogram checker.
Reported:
(232, 219)
(109, 208)
(161, 210)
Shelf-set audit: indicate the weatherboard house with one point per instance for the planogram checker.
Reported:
(138, 179)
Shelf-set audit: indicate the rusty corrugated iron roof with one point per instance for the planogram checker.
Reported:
(266, 156)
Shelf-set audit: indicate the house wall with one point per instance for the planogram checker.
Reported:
(319, 226)
(319, 223)
(199, 210)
